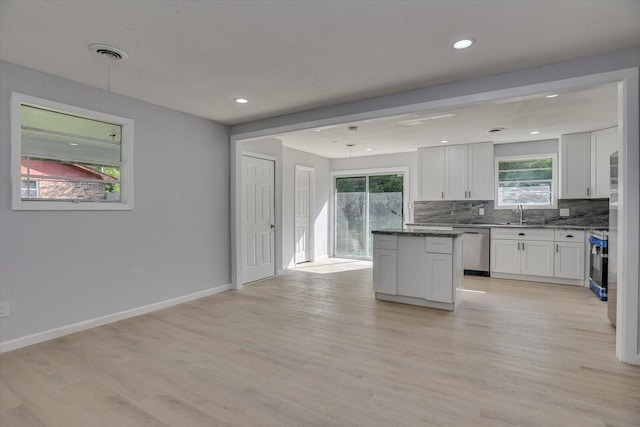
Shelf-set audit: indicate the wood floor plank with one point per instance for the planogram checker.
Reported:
(312, 347)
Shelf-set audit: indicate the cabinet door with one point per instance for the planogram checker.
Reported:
(384, 271)
(412, 267)
(603, 144)
(505, 256)
(456, 170)
(440, 285)
(481, 171)
(569, 260)
(431, 166)
(575, 165)
(536, 258)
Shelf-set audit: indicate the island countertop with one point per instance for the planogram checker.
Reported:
(435, 232)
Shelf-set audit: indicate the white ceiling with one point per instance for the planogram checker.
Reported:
(570, 112)
(287, 56)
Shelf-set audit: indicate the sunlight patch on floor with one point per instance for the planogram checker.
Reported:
(333, 265)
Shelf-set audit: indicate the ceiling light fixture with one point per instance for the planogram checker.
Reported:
(444, 141)
(464, 43)
(534, 132)
(369, 149)
(73, 144)
(553, 95)
(419, 121)
(241, 100)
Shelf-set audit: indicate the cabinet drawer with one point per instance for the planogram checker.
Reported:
(570, 236)
(439, 245)
(541, 234)
(385, 241)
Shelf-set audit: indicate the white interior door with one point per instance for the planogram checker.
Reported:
(258, 218)
(302, 221)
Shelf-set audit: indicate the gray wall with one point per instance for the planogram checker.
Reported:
(62, 267)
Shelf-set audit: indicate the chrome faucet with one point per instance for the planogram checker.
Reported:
(521, 213)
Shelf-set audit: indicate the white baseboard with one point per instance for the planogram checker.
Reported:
(103, 320)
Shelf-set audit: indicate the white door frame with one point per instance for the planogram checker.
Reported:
(569, 76)
(404, 170)
(312, 197)
(239, 277)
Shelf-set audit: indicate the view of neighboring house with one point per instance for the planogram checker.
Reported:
(45, 179)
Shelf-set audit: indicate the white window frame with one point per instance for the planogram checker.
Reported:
(554, 180)
(126, 168)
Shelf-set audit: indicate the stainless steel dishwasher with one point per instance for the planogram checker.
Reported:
(476, 248)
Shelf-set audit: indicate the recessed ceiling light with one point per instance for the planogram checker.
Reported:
(464, 43)
(444, 141)
(534, 132)
(369, 149)
(241, 100)
(553, 95)
(73, 144)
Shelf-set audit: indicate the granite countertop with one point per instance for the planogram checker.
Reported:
(419, 233)
(553, 226)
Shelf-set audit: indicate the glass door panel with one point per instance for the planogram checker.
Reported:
(385, 203)
(351, 233)
(363, 204)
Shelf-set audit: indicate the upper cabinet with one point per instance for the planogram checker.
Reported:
(584, 163)
(456, 172)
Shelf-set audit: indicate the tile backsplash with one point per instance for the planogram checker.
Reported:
(582, 212)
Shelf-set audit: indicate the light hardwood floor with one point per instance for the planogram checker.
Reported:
(313, 347)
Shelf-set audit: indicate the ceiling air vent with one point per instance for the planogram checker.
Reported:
(496, 130)
(109, 52)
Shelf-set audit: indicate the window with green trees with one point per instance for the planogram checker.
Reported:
(526, 181)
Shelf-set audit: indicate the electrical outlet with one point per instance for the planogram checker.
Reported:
(4, 308)
(564, 212)
(481, 211)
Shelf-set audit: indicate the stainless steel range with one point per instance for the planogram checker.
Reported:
(598, 263)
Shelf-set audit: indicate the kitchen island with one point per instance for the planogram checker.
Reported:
(419, 267)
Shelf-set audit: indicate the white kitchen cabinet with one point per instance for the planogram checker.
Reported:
(481, 177)
(420, 269)
(412, 267)
(505, 256)
(440, 277)
(603, 144)
(584, 163)
(536, 258)
(384, 271)
(431, 168)
(457, 172)
(526, 251)
(570, 254)
(384, 263)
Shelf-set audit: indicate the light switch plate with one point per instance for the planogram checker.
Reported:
(564, 212)
(481, 211)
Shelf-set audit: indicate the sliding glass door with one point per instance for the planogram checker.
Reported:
(363, 204)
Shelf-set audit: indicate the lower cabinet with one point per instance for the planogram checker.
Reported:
(384, 271)
(440, 278)
(552, 255)
(569, 260)
(419, 270)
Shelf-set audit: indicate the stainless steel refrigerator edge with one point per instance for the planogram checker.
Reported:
(612, 284)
